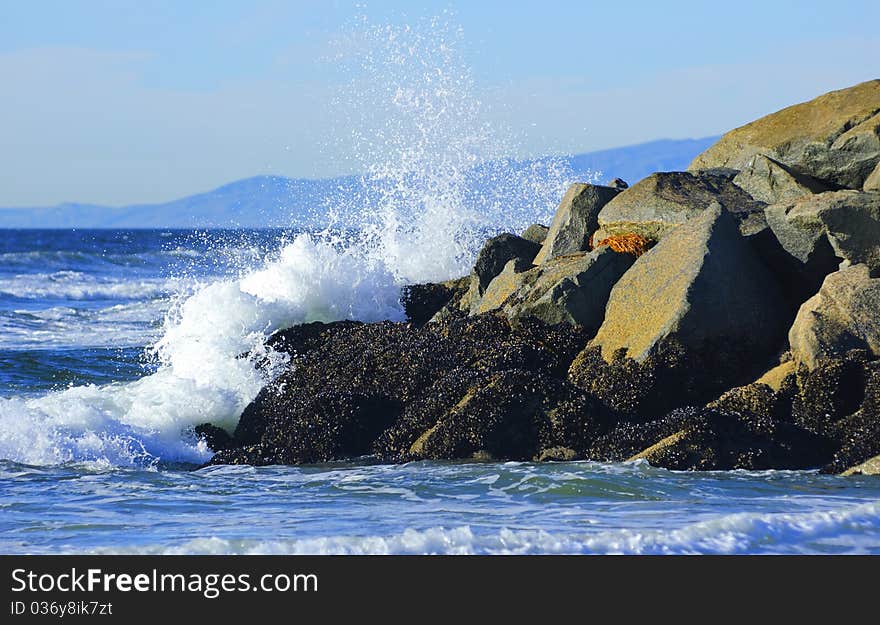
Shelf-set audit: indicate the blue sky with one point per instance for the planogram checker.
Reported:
(139, 101)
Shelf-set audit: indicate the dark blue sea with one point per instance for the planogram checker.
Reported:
(115, 344)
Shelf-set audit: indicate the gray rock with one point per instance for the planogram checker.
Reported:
(496, 253)
(422, 301)
(846, 221)
(663, 201)
(536, 233)
(770, 181)
(835, 137)
(799, 256)
(619, 183)
(844, 315)
(575, 220)
(569, 289)
(872, 183)
(514, 275)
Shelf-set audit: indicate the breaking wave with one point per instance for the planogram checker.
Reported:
(430, 195)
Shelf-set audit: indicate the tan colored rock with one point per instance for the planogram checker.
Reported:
(776, 377)
(868, 467)
(663, 201)
(702, 287)
(575, 220)
(843, 315)
(660, 447)
(835, 137)
(504, 285)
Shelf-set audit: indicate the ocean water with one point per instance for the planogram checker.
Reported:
(115, 344)
(98, 396)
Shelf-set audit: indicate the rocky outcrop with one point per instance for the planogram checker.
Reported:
(379, 388)
(691, 317)
(770, 181)
(868, 467)
(835, 138)
(845, 224)
(494, 255)
(844, 315)
(709, 440)
(747, 337)
(536, 233)
(663, 201)
(567, 289)
(575, 220)
(422, 301)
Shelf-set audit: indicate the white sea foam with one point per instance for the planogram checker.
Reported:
(77, 285)
(416, 220)
(851, 529)
(132, 324)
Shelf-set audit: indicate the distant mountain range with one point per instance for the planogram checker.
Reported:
(264, 201)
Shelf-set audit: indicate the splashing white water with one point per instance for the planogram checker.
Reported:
(847, 529)
(428, 199)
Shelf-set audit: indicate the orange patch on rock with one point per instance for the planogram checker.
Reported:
(634, 244)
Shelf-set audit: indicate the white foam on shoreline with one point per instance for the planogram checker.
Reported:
(201, 377)
(852, 529)
(77, 285)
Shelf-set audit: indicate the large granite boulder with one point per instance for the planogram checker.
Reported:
(492, 258)
(843, 315)
(693, 316)
(663, 201)
(770, 181)
(845, 224)
(575, 220)
(567, 289)
(835, 137)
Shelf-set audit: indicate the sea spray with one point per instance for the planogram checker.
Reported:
(436, 184)
(438, 176)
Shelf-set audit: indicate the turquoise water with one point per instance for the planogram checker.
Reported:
(97, 453)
